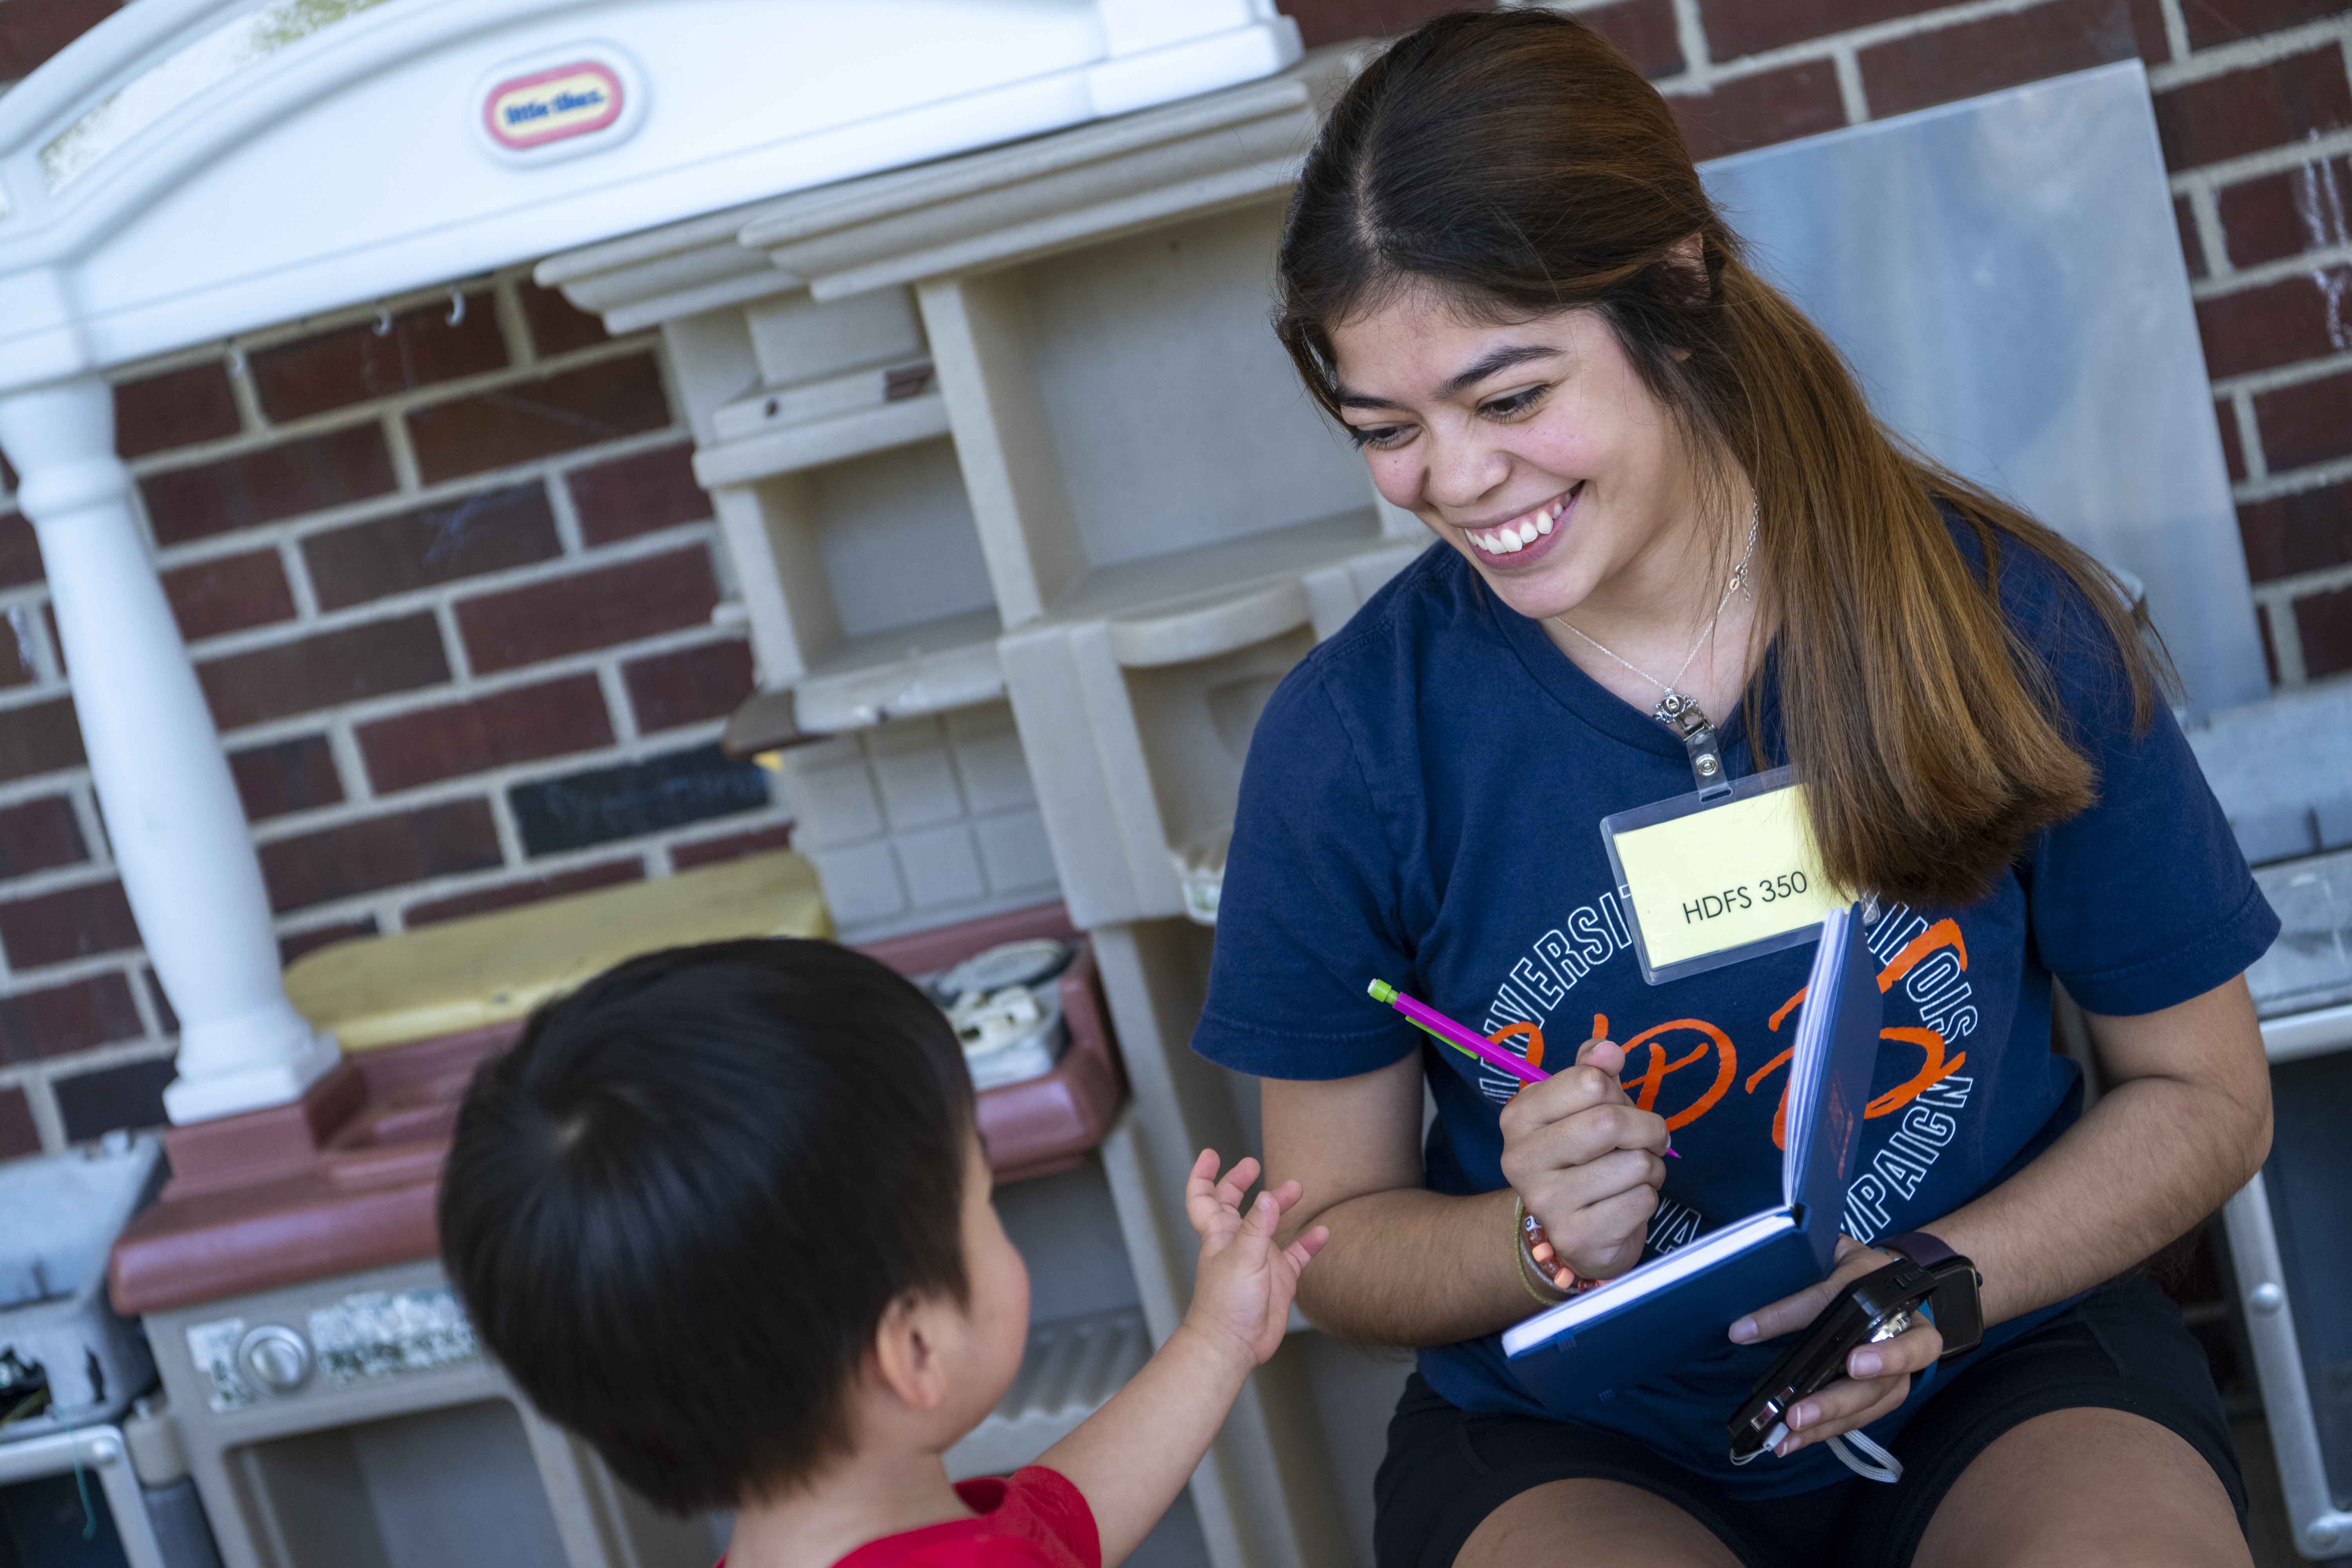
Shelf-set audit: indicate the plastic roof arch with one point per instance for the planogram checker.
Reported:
(190, 169)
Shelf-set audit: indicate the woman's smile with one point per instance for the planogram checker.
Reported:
(1518, 542)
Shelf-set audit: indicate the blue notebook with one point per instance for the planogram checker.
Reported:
(1677, 1307)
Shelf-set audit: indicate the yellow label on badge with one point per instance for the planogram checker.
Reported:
(1724, 877)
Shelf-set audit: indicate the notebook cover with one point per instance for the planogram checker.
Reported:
(1671, 1329)
(1656, 1331)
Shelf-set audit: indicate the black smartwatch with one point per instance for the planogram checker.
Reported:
(1957, 1306)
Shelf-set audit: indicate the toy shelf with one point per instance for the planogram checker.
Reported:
(778, 444)
(1128, 429)
(928, 667)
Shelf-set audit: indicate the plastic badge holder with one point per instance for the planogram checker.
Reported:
(1807, 908)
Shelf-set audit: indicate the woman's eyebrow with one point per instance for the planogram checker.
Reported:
(1493, 361)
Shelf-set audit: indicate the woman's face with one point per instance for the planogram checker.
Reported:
(1533, 448)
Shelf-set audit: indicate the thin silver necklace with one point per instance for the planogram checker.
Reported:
(1675, 702)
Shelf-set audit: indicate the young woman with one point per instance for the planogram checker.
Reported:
(1649, 477)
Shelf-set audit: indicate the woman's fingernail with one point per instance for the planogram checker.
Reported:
(1743, 1331)
(1866, 1363)
(1781, 1449)
(1802, 1416)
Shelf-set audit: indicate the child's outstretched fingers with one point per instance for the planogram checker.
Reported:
(1301, 1251)
(1202, 1204)
(1236, 1184)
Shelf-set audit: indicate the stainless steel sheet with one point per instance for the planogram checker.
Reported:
(2006, 275)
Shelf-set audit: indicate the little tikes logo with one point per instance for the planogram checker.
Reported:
(576, 100)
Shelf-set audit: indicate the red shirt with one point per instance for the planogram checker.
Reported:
(1035, 1520)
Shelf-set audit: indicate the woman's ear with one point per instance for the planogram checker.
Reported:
(1685, 263)
(910, 1352)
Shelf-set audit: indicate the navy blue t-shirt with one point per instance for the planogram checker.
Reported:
(1421, 803)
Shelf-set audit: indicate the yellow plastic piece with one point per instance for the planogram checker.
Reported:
(490, 969)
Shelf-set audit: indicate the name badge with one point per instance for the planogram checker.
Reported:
(1710, 880)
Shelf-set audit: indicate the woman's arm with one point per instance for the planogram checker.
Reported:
(1409, 1267)
(2186, 1123)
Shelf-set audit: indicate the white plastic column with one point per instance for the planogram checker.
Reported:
(172, 812)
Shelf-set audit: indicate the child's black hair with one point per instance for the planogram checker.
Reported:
(678, 1207)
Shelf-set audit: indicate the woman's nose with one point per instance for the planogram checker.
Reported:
(1464, 472)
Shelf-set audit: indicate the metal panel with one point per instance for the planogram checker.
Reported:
(2005, 274)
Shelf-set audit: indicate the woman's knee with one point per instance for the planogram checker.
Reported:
(1592, 1524)
(2087, 1489)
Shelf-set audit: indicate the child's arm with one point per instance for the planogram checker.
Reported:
(1133, 1456)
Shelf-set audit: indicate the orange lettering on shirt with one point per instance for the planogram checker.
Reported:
(1644, 1086)
(1932, 1071)
(1509, 1032)
(1945, 932)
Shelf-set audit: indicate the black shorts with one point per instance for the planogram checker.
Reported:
(2124, 1347)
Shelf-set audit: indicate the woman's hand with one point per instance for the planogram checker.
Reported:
(1878, 1376)
(1586, 1161)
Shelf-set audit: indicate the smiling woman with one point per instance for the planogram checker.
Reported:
(1659, 495)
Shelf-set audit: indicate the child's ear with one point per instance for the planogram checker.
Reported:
(910, 1346)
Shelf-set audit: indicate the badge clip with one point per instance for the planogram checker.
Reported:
(1689, 722)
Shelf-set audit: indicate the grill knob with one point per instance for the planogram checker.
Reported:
(276, 1357)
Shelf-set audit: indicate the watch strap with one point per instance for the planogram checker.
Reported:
(1918, 1247)
(1957, 1306)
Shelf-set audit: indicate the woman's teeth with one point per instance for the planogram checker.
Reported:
(1522, 531)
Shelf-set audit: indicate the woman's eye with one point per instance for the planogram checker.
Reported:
(1516, 402)
(1378, 437)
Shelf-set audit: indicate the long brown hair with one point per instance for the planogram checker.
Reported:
(1517, 164)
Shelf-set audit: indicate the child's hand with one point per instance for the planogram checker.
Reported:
(1242, 1294)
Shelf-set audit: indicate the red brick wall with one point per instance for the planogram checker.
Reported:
(449, 588)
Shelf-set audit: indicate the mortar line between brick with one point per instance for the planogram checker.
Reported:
(1850, 92)
(2326, 580)
(253, 422)
(2271, 377)
(297, 565)
(2176, 28)
(1690, 32)
(506, 299)
(2255, 276)
(2250, 444)
(407, 477)
(566, 515)
(112, 1054)
(143, 998)
(351, 764)
(2295, 482)
(82, 795)
(2239, 54)
(452, 643)
(2205, 218)
(618, 705)
(122, 961)
(48, 1120)
(502, 823)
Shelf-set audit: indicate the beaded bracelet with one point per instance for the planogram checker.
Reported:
(1538, 1260)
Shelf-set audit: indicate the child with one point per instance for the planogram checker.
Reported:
(723, 1212)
